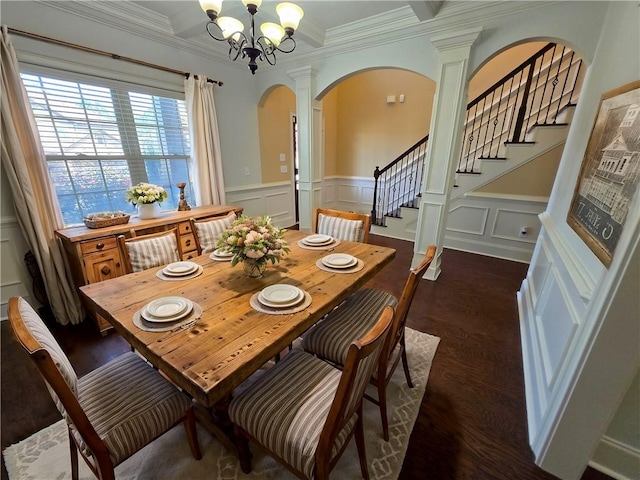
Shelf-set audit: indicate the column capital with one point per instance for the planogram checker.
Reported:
(455, 40)
(302, 73)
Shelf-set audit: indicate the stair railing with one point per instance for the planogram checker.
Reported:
(528, 96)
(532, 94)
(398, 182)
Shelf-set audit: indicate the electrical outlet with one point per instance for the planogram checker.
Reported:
(283, 169)
(247, 171)
(283, 157)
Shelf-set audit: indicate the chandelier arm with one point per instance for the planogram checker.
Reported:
(267, 50)
(236, 46)
(286, 41)
(213, 35)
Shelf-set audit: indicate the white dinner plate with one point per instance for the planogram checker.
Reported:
(339, 260)
(280, 293)
(222, 253)
(317, 240)
(177, 269)
(167, 309)
(280, 296)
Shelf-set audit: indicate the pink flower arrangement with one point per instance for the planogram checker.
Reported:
(254, 238)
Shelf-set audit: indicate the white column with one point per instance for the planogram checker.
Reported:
(304, 78)
(445, 140)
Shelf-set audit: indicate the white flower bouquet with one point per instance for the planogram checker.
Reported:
(146, 193)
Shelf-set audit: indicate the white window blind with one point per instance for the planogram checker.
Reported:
(100, 139)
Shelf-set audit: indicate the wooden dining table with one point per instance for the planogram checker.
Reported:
(231, 340)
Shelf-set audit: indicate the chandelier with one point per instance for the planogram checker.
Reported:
(274, 37)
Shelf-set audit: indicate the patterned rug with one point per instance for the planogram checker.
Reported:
(45, 455)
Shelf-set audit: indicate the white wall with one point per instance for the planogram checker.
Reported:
(579, 320)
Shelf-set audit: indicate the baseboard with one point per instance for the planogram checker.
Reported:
(616, 459)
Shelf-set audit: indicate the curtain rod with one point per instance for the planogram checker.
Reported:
(106, 54)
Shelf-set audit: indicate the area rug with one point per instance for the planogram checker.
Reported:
(45, 454)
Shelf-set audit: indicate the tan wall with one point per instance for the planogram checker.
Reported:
(372, 132)
(533, 178)
(499, 66)
(362, 131)
(274, 122)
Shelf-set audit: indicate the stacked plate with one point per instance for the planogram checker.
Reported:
(318, 240)
(339, 261)
(167, 309)
(281, 295)
(180, 269)
(221, 255)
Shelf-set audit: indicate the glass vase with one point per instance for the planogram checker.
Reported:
(253, 268)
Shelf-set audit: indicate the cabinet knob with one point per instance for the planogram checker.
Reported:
(100, 246)
(188, 243)
(105, 270)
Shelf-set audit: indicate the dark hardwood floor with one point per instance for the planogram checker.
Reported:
(472, 422)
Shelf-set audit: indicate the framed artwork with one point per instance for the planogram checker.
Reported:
(610, 172)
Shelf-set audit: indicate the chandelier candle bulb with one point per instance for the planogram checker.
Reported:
(290, 16)
(273, 32)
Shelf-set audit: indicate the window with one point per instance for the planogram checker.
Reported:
(99, 139)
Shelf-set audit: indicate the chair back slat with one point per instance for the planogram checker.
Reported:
(56, 370)
(149, 251)
(348, 226)
(362, 358)
(207, 232)
(408, 292)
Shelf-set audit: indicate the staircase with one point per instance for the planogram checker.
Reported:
(522, 116)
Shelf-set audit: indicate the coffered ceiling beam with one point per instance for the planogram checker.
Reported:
(426, 10)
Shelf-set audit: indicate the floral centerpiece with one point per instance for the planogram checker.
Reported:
(254, 241)
(145, 193)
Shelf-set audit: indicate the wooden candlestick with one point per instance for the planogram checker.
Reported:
(182, 204)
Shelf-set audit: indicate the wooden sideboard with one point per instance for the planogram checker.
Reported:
(93, 253)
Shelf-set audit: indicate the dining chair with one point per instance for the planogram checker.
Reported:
(331, 337)
(348, 226)
(113, 411)
(303, 411)
(147, 251)
(206, 232)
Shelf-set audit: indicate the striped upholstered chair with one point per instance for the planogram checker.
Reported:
(350, 226)
(330, 338)
(147, 251)
(111, 412)
(303, 411)
(206, 232)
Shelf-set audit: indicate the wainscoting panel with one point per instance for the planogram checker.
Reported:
(348, 193)
(508, 223)
(557, 323)
(14, 276)
(275, 200)
(490, 225)
(551, 309)
(468, 219)
(351, 194)
(539, 270)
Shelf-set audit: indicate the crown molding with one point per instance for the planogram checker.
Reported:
(136, 20)
(381, 29)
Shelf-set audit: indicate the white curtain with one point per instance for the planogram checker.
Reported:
(24, 163)
(205, 141)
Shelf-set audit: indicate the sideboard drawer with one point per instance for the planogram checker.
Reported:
(98, 245)
(187, 243)
(184, 228)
